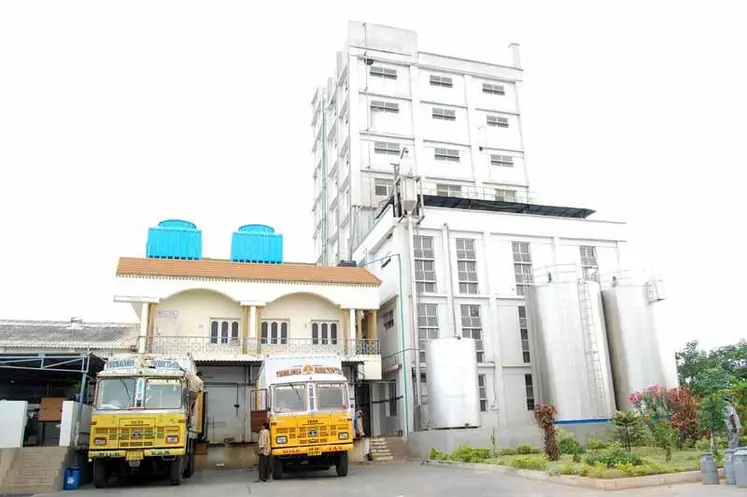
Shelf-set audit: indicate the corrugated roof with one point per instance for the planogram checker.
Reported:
(221, 269)
(67, 334)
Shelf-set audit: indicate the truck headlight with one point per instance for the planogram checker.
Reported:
(99, 441)
(172, 439)
(281, 440)
(342, 436)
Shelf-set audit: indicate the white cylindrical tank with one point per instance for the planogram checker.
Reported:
(453, 394)
(571, 365)
(639, 358)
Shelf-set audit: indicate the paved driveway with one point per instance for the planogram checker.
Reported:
(389, 480)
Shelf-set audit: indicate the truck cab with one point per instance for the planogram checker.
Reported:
(309, 411)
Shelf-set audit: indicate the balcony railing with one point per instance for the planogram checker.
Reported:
(230, 347)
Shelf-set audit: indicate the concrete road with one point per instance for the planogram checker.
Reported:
(388, 480)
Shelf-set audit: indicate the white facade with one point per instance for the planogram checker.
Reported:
(458, 119)
(487, 304)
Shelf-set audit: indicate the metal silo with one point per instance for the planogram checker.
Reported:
(639, 358)
(453, 399)
(571, 367)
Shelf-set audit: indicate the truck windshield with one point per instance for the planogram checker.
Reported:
(289, 398)
(331, 397)
(163, 393)
(116, 393)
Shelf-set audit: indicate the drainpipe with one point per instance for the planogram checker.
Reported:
(414, 298)
(449, 279)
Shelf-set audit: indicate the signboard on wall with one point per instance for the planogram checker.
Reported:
(167, 314)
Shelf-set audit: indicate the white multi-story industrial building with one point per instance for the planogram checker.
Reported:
(420, 176)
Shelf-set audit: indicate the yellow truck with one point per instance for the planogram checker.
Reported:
(146, 418)
(310, 414)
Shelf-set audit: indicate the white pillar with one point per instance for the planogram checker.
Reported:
(252, 332)
(142, 338)
(351, 327)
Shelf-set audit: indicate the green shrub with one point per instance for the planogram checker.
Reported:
(534, 462)
(437, 455)
(568, 444)
(507, 452)
(595, 444)
(465, 453)
(597, 470)
(526, 449)
(613, 456)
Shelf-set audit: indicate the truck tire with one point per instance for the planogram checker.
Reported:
(277, 468)
(100, 474)
(175, 471)
(341, 465)
(189, 466)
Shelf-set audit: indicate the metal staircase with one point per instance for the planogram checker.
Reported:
(594, 373)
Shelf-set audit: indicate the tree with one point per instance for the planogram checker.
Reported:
(695, 367)
(626, 424)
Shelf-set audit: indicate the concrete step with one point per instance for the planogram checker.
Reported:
(383, 458)
(30, 489)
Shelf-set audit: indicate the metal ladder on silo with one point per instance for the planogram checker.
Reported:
(591, 344)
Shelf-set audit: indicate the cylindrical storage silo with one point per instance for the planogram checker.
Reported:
(453, 394)
(571, 364)
(635, 349)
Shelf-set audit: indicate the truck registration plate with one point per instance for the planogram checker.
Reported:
(134, 455)
(315, 451)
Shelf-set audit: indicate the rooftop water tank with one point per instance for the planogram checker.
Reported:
(257, 243)
(174, 239)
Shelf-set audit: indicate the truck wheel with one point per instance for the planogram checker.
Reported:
(277, 468)
(189, 469)
(100, 476)
(341, 465)
(175, 471)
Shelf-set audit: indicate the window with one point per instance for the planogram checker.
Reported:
(530, 391)
(493, 89)
(274, 332)
(290, 398)
(467, 265)
(500, 121)
(483, 393)
(381, 106)
(444, 114)
(383, 187)
(524, 333)
(383, 72)
(389, 320)
(472, 327)
(386, 148)
(224, 331)
(331, 396)
(522, 266)
(115, 393)
(324, 333)
(505, 195)
(589, 264)
(445, 190)
(427, 326)
(444, 81)
(502, 160)
(163, 393)
(447, 154)
(392, 399)
(425, 270)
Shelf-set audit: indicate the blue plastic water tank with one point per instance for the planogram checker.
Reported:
(257, 243)
(174, 239)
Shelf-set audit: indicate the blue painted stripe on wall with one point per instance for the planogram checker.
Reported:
(582, 421)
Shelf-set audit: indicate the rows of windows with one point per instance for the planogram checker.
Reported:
(466, 259)
(435, 80)
(274, 332)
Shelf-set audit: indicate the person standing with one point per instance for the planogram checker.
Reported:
(359, 424)
(264, 452)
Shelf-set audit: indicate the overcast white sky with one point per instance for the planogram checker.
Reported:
(114, 115)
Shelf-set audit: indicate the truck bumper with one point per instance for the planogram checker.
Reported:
(136, 455)
(312, 450)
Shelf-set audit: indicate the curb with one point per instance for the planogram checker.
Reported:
(581, 481)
